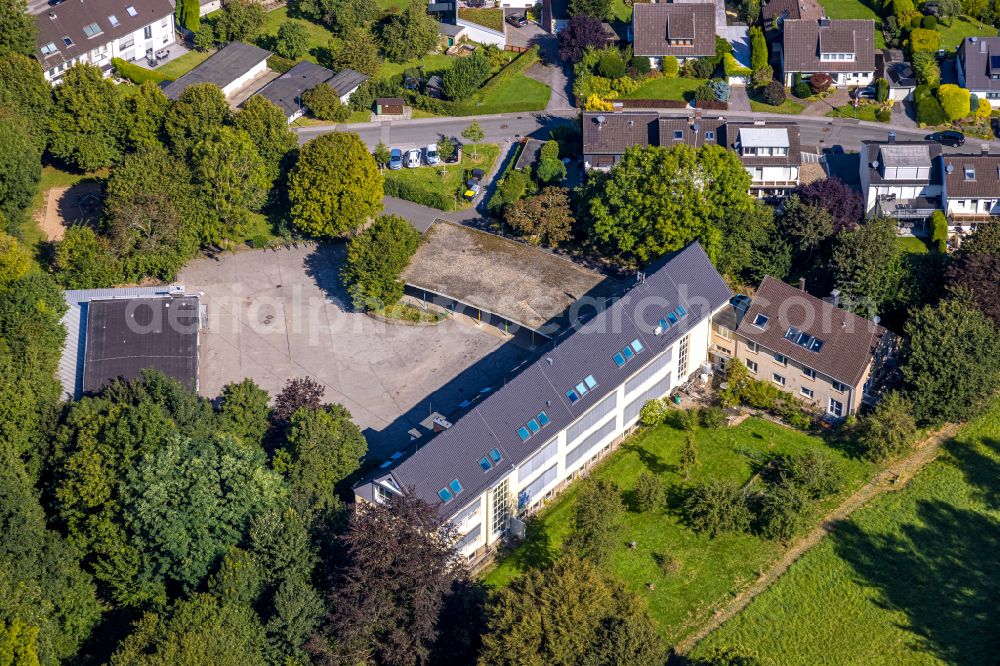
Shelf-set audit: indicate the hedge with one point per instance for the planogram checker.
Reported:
(135, 73)
(712, 104)
(279, 64)
(410, 192)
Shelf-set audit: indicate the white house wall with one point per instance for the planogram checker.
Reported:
(246, 78)
(128, 47)
(478, 33)
(656, 378)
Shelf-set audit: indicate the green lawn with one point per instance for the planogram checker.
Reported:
(178, 67)
(431, 179)
(489, 17)
(386, 5)
(909, 579)
(961, 28)
(789, 107)
(518, 93)
(678, 88)
(434, 63)
(711, 570)
(848, 111)
(855, 9)
(319, 37)
(621, 11)
(913, 245)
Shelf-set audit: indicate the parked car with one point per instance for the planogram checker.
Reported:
(473, 184)
(431, 154)
(395, 159)
(863, 93)
(517, 20)
(948, 138)
(413, 158)
(456, 153)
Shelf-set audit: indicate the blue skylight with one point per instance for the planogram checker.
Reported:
(533, 426)
(664, 324)
(523, 433)
(636, 346)
(590, 381)
(485, 464)
(628, 353)
(581, 389)
(455, 486)
(681, 311)
(543, 418)
(445, 495)
(619, 360)
(573, 397)
(672, 318)
(495, 455)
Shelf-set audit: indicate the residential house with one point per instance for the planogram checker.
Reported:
(683, 30)
(901, 179)
(775, 12)
(979, 66)
(500, 461)
(898, 72)
(208, 6)
(824, 355)
(770, 152)
(286, 91)
(96, 31)
(232, 68)
(844, 49)
(971, 189)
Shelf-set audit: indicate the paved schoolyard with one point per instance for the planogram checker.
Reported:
(273, 315)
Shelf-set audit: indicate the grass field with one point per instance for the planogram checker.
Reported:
(180, 66)
(855, 9)
(913, 245)
(319, 37)
(789, 107)
(678, 88)
(430, 178)
(848, 111)
(711, 570)
(518, 93)
(961, 28)
(621, 11)
(909, 579)
(434, 63)
(488, 17)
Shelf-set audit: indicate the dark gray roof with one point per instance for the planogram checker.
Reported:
(980, 57)
(612, 133)
(449, 29)
(686, 277)
(287, 89)
(875, 151)
(126, 336)
(985, 180)
(70, 18)
(222, 68)
(529, 154)
(653, 25)
(896, 70)
(347, 81)
(804, 40)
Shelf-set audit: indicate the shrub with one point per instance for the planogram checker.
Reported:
(702, 68)
(924, 41)
(780, 514)
(405, 190)
(802, 90)
(758, 49)
(929, 22)
(610, 66)
(550, 170)
(712, 417)
(134, 73)
(922, 92)
(914, 23)
(929, 112)
(324, 103)
(624, 85)
(595, 103)
(642, 65)
(939, 231)
(954, 101)
(649, 492)
(550, 150)
(720, 88)
(761, 77)
(717, 507)
(279, 64)
(466, 76)
(883, 115)
(259, 241)
(774, 93)
(669, 67)
(732, 67)
(881, 90)
(653, 412)
(375, 259)
(983, 109)
(820, 82)
(292, 40)
(890, 429)
(927, 69)
(817, 473)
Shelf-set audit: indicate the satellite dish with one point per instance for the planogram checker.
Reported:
(876, 319)
(875, 164)
(600, 120)
(950, 168)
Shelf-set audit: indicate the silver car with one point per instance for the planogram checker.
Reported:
(431, 155)
(413, 158)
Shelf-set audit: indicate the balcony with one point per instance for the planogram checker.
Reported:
(918, 208)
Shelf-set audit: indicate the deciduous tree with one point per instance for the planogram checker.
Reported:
(357, 50)
(717, 507)
(25, 92)
(297, 393)
(198, 112)
(975, 270)
(867, 264)
(335, 186)
(543, 219)
(20, 167)
(833, 194)
(231, 175)
(890, 429)
(581, 33)
(409, 35)
(85, 127)
(324, 103)
(600, 9)
(267, 127)
(243, 411)
(144, 113)
(84, 260)
(18, 30)
(291, 40)
(475, 134)
(597, 516)
(375, 259)
(239, 21)
(465, 76)
(954, 100)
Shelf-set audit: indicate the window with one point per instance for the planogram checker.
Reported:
(590, 381)
(455, 487)
(543, 418)
(67, 41)
(837, 386)
(523, 433)
(680, 311)
(709, 135)
(495, 456)
(126, 43)
(92, 30)
(147, 32)
(445, 495)
(780, 358)
(49, 49)
(752, 366)
(760, 321)
(581, 388)
(628, 353)
(573, 397)
(807, 392)
(836, 407)
(636, 346)
(970, 173)
(533, 426)
(678, 135)
(722, 332)
(114, 21)
(619, 360)
(500, 508)
(485, 463)
(381, 494)
(682, 359)
(657, 390)
(752, 347)
(131, 11)
(809, 372)
(591, 418)
(777, 379)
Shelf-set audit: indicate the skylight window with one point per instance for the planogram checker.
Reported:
(455, 487)
(760, 321)
(543, 418)
(92, 30)
(445, 495)
(533, 426)
(619, 360)
(485, 463)
(680, 311)
(49, 49)
(114, 21)
(628, 353)
(803, 339)
(664, 324)
(67, 41)
(131, 11)
(636, 346)
(970, 173)
(572, 395)
(495, 455)
(523, 433)
(581, 388)
(672, 318)
(590, 381)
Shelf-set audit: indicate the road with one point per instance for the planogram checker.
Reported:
(816, 133)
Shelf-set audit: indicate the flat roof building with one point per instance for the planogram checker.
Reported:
(231, 68)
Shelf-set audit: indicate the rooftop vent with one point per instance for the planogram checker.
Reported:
(52, 14)
(892, 137)
(825, 21)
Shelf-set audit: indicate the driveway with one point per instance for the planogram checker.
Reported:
(274, 315)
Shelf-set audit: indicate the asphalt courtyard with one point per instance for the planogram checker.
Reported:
(274, 315)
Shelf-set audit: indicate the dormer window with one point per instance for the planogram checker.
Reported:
(92, 30)
(833, 57)
(970, 172)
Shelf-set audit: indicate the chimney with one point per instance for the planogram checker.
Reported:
(983, 47)
(824, 22)
(892, 137)
(985, 149)
(835, 298)
(802, 284)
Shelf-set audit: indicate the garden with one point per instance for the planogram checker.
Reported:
(682, 558)
(908, 579)
(441, 186)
